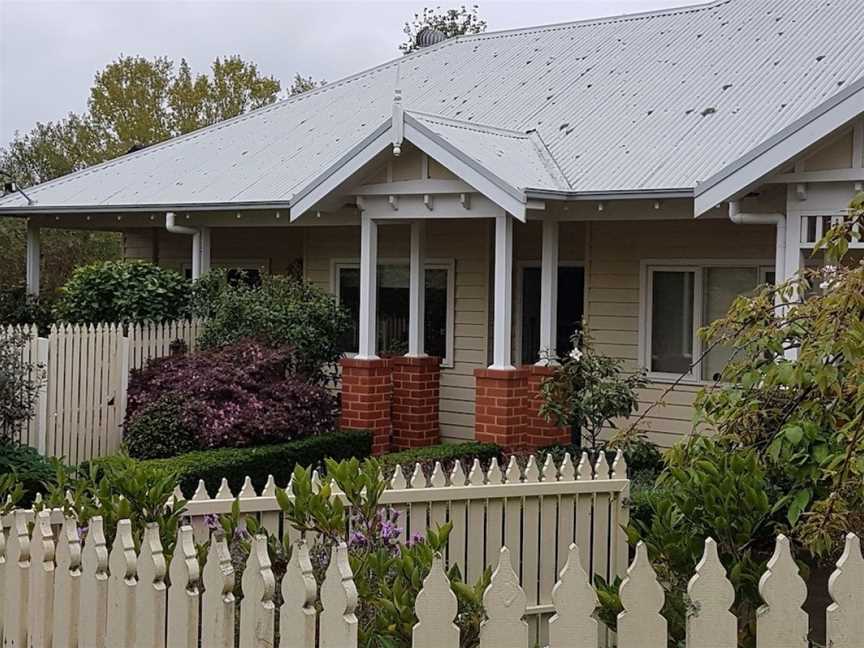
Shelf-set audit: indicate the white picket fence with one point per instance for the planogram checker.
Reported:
(58, 593)
(82, 402)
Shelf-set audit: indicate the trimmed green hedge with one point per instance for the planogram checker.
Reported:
(446, 453)
(234, 464)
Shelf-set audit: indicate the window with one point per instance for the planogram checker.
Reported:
(679, 300)
(392, 316)
(237, 272)
(571, 305)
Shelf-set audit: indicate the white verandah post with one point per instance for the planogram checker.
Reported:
(368, 287)
(503, 292)
(33, 258)
(549, 293)
(417, 291)
(204, 252)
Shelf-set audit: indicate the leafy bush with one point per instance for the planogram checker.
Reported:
(158, 429)
(644, 459)
(446, 453)
(237, 395)
(17, 308)
(19, 384)
(234, 464)
(588, 391)
(31, 470)
(281, 312)
(123, 291)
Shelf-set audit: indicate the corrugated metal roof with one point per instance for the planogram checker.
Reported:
(643, 102)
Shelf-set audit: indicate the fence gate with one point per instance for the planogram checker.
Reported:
(86, 377)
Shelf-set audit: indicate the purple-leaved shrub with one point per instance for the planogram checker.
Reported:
(232, 396)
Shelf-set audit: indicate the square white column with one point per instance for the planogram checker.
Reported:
(417, 291)
(549, 293)
(501, 337)
(368, 288)
(196, 255)
(33, 258)
(204, 251)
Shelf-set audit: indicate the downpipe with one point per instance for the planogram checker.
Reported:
(172, 227)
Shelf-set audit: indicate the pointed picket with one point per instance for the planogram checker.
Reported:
(17, 582)
(224, 492)
(217, 607)
(504, 602)
(709, 620)
(259, 589)
(397, 482)
(781, 622)
(642, 597)
(436, 608)
(152, 592)
(568, 470)
(494, 474)
(513, 475)
(339, 601)
(93, 619)
(583, 471)
(532, 472)
(122, 584)
(67, 586)
(619, 466)
(184, 595)
(418, 477)
(457, 474)
(438, 479)
(297, 615)
(550, 470)
(248, 490)
(601, 466)
(573, 625)
(845, 623)
(40, 599)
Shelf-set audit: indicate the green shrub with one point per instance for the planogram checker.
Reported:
(123, 291)
(159, 430)
(32, 471)
(17, 308)
(281, 312)
(19, 384)
(234, 464)
(644, 459)
(446, 453)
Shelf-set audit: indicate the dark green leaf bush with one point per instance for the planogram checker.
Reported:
(19, 384)
(17, 308)
(33, 472)
(158, 429)
(123, 292)
(446, 453)
(234, 464)
(281, 312)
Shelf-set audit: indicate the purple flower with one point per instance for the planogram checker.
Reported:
(241, 533)
(211, 521)
(357, 539)
(415, 539)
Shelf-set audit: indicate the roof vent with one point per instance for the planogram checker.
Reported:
(429, 36)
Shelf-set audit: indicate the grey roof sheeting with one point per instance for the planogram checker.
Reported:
(648, 102)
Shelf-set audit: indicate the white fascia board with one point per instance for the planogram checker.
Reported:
(341, 171)
(511, 199)
(778, 150)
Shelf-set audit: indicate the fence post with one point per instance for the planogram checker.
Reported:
(184, 595)
(67, 586)
(41, 593)
(338, 623)
(41, 413)
(17, 582)
(259, 587)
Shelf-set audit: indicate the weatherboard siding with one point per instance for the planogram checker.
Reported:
(617, 250)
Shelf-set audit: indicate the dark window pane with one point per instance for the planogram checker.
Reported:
(436, 313)
(571, 305)
(672, 322)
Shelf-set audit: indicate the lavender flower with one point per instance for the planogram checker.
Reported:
(211, 521)
(357, 539)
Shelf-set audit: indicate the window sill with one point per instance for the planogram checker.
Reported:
(666, 379)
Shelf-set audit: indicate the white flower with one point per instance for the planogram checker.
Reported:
(576, 354)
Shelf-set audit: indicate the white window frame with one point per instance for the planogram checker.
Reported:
(336, 265)
(521, 266)
(646, 294)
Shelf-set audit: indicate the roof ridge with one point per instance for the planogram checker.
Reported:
(466, 125)
(589, 22)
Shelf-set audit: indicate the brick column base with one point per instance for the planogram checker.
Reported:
(416, 387)
(367, 387)
(538, 431)
(500, 407)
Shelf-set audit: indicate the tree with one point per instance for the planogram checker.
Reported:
(133, 102)
(450, 22)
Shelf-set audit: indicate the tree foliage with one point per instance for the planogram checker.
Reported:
(457, 21)
(19, 384)
(133, 102)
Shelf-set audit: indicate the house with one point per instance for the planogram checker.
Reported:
(472, 202)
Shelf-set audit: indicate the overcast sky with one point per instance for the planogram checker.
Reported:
(50, 51)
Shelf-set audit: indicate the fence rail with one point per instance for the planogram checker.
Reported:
(82, 401)
(58, 593)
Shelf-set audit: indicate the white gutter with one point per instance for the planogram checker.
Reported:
(778, 220)
(200, 244)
